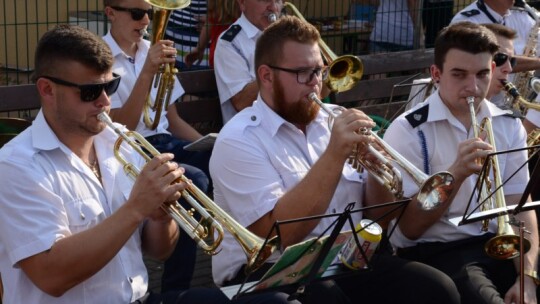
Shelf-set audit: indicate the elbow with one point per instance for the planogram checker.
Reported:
(53, 288)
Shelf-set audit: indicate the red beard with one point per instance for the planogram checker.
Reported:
(300, 112)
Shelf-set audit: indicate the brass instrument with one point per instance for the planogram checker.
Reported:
(213, 217)
(505, 245)
(164, 79)
(522, 79)
(433, 190)
(344, 72)
(272, 17)
(533, 138)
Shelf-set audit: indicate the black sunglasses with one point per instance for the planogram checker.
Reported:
(136, 13)
(501, 58)
(90, 92)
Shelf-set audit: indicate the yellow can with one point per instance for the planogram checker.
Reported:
(369, 236)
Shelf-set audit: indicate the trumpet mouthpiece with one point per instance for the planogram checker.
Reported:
(144, 32)
(272, 17)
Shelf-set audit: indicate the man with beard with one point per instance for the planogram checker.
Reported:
(279, 160)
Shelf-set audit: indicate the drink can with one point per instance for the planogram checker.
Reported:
(369, 238)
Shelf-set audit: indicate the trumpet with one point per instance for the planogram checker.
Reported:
(433, 191)
(344, 72)
(519, 102)
(213, 217)
(505, 245)
(164, 79)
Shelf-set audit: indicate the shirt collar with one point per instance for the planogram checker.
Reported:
(496, 15)
(116, 50)
(43, 137)
(251, 30)
(274, 122)
(439, 111)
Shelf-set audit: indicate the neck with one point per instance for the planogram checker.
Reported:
(128, 47)
(499, 6)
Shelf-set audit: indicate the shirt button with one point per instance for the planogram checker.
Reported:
(253, 118)
(130, 279)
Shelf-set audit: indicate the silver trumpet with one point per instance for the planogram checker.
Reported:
(213, 218)
(433, 191)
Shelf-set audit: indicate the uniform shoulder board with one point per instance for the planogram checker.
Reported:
(510, 113)
(419, 116)
(231, 32)
(471, 13)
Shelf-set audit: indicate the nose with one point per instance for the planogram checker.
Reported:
(103, 100)
(275, 5)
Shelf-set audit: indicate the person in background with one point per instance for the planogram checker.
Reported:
(394, 26)
(138, 62)
(438, 135)
(184, 28)
(504, 61)
(74, 226)
(234, 55)
(221, 14)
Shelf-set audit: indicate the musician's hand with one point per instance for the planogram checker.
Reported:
(346, 135)
(156, 184)
(160, 53)
(467, 162)
(512, 296)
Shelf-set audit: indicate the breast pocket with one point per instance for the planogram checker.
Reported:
(83, 213)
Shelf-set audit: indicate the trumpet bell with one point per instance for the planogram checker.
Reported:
(344, 72)
(435, 190)
(505, 247)
(169, 4)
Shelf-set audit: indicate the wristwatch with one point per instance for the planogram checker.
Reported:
(533, 275)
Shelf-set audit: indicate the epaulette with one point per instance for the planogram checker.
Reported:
(231, 32)
(419, 116)
(511, 113)
(471, 13)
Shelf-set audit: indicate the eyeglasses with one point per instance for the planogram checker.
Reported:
(303, 76)
(90, 92)
(136, 13)
(501, 58)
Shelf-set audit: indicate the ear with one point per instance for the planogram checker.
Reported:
(435, 73)
(45, 89)
(109, 12)
(266, 75)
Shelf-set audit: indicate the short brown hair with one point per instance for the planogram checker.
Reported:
(501, 30)
(269, 47)
(70, 42)
(465, 36)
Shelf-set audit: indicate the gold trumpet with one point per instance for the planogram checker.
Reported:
(213, 218)
(344, 72)
(164, 79)
(521, 104)
(505, 245)
(433, 190)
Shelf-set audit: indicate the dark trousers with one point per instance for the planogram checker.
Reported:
(390, 280)
(179, 267)
(191, 296)
(478, 277)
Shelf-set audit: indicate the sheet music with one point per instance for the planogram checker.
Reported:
(204, 143)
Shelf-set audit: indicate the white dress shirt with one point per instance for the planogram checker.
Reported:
(130, 69)
(257, 158)
(234, 64)
(47, 193)
(442, 133)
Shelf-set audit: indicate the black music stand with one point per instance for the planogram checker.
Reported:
(475, 215)
(325, 253)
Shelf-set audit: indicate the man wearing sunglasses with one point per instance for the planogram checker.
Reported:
(138, 62)
(73, 225)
